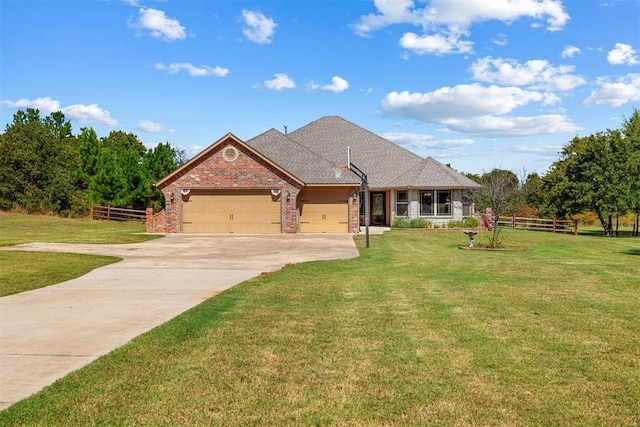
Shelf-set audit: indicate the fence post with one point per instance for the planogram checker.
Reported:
(108, 212)
(575, 232)
(513, 222)
(91, 213)
(554, 224)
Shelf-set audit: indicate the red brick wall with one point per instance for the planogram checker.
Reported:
(354, 210)
(212, 171)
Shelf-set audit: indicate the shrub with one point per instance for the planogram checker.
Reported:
(419, 223)
(400, 223)
(414, 223)
(469, 222)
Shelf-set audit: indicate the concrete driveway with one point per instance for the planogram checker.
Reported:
(47, 333)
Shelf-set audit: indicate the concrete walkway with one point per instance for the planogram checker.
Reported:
(47, 333)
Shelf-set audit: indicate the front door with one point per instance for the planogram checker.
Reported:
(378, 209)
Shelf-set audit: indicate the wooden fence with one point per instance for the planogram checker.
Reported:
(540, 224)
(117, 214)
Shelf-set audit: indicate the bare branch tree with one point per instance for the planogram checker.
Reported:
(502, 190)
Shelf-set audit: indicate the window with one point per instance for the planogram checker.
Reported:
(402, 203)
(426, 203)
(467, 203)
(444, 202)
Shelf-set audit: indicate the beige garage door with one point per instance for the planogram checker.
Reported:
(241, 211)
(324, 211)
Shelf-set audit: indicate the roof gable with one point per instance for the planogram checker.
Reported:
(212, 148)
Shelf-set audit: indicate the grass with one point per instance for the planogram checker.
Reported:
(413, 332)
(23, 271)
(17, 228)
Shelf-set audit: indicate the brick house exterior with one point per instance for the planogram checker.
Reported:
(297, 179)
(210, 170)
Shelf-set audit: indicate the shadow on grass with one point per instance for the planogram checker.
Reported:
(632, 252)
(600, 233)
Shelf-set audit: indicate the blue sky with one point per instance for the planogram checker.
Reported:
(475, 83)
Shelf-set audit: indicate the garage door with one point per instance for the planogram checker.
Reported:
(324, 211)
(242, 211)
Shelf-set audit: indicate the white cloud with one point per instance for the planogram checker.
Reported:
(623, 54)
(497, 127)
(192, 70)
(478, 110)
(279, 82)
(159, 25)
(540, 150)
(89, 114)
(78, 112)
(258, 28)
(445, 21)
(46, 105)
(569, 51)
(501, 40)
(626, 89)
(462, 100)
(338, 84)
(153, 127)
(311, 85)
(438, 44)
(537, 74)
(391, 12)
(421, 140)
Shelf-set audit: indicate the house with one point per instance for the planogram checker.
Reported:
(299, 183)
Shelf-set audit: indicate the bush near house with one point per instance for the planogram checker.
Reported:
(423, 223)
(414, 223)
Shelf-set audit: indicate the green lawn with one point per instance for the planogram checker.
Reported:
(413, 332)
(23, 271)
(16, 229)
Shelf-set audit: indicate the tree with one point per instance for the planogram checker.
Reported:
(631, 132)
(108, 185)
(129, 154)
(500, 188)
(160, 162)
(592, 174)
(37, 162)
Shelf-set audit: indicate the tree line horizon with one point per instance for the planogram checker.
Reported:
(47, 169)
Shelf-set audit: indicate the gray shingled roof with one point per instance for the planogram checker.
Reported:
(386, 164)
(299, 161)
(312, 153)
(380, 159)
(430, 173)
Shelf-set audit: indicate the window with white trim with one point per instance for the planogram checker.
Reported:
(426, 203)
(402, 203)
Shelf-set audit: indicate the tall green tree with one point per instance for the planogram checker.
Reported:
(108, 185)
(533, 192)
(631, 132)
(129, 154)
(37, 163)
(592, 175)
(160, 162)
